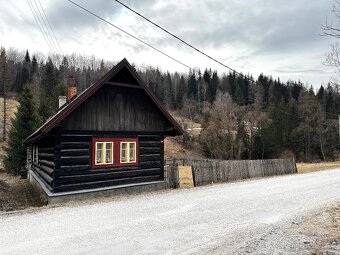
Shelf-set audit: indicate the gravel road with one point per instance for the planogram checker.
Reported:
(233, 218)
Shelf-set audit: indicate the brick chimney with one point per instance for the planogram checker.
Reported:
(71, 88)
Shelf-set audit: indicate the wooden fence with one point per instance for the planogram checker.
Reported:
(211, 171)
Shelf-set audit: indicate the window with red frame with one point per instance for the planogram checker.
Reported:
(110, 152)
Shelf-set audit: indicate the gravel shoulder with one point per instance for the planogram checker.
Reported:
(316, 233)
(261, 216)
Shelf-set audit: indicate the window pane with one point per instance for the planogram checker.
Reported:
(99, 153)
(123, 151)
(99, 146)
(108, 155)
(132, 152)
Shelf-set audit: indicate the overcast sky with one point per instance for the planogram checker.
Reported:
(279, 38)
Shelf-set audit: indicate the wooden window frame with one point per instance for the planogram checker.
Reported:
(116, 152)
(94, 152)
(35, 154)
(104, 153)
(127, 154)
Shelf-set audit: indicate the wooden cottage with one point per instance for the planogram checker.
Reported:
(111, 135)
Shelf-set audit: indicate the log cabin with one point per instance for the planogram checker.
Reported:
(111, 135)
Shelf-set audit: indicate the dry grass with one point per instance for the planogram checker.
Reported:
(12, 106)
(173, 149)
(313, 167)
(16, 193)
(323, 231)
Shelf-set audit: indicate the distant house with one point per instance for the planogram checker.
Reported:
(109, 136)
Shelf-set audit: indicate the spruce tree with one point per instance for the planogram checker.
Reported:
(26, 69)
(180, 93)
(23, 125)
(47, 101)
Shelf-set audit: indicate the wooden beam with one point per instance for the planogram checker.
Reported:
(123, 85)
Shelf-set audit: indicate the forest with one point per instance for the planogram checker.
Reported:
(242, 117)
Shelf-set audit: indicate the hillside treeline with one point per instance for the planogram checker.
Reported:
(242, 117)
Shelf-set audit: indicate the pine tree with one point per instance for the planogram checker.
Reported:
(23, 125)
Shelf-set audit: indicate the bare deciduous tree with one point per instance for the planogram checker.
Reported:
(333, 30)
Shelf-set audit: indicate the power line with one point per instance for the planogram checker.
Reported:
(147, 44)
(39, 25)
(50, 26)
(129, 34)
(46, 27)
(186, 43)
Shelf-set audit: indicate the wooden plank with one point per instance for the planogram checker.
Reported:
(109, 175)
(75, 152)
(123, 85)
(149, 150)
(150, 164)
(45, 176)
(86, 169)
(47, 163)
(149, 138)
(74, 145)
(130, 110)
(107, 183)
(46, 156)
(47, 170)
(75, 138)
(211, 171)
(71, 161)
(46, 149)
(149, 157)
(149, 144)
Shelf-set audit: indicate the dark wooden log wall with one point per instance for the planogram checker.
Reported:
(74, 164)
(44, 168)
(114, 108)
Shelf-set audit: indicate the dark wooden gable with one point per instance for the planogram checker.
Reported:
(117, 108)
(124, 76)
(123, 103)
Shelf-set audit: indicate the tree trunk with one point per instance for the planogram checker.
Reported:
(5, 117)
(321, 147)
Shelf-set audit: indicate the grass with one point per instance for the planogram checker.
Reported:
(12, 106)
(17, 194)
(313, 167)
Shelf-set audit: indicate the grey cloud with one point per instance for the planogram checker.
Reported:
(258, 28)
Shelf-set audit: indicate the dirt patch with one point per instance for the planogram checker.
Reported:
(313, 167)
(17, 194)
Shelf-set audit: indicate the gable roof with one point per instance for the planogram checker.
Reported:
(70, 107)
